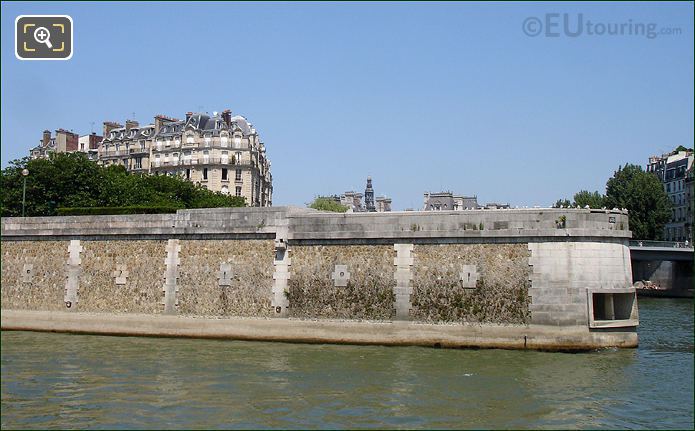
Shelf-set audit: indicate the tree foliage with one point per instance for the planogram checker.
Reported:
(562, 203)
(643, 195)
(323, 203)
(582, 199)
(71, 180)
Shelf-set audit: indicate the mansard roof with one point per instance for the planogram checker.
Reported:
(205, 123)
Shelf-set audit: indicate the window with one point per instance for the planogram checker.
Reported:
(225, 158)
(224, 174)
(205, 173)
(237, 142)
(238, 158)
(237, 177)
(238, 191)
(668, 187)
(188, 174)
(607, 307)
(138, 163)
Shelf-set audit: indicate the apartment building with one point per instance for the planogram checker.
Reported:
(674, 170)
(219, 152)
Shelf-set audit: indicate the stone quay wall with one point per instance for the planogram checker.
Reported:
(561, 268)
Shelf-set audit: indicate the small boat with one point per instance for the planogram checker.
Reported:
(646, 288)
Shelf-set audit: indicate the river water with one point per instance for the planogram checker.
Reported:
(85, 381)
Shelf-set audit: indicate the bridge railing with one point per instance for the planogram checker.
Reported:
(664, 244)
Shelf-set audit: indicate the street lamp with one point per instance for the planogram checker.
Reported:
(25, 172)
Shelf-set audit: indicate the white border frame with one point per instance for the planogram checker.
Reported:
(617, 323)
(72, 42)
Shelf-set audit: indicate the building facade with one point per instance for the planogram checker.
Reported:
(64, 141)
(674, 170)
(220, 152)
(447, 201)
(353, 200)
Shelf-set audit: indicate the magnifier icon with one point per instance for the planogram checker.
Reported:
(42, 35)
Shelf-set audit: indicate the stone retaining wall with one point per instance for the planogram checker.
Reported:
(471, 283)
(551, 267)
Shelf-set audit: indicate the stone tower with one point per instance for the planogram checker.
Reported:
(369, 196)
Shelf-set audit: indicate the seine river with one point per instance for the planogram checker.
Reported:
(81, 381)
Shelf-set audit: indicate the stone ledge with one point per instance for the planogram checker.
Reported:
(537, 337)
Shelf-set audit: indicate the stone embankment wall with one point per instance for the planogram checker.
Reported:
(552, 267)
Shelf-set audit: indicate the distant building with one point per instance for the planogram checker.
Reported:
(383, 204)
(220, 152)
(353, 200)
(689, 197)
(89, 144)
(496, 206)
(673, 170)
(447, 201)
(369, 196)
(64, 141)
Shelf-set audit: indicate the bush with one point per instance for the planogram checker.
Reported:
(322, 203)
(117, 210)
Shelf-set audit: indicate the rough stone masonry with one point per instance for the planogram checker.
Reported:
(515, 272)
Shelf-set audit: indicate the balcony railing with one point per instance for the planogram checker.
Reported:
(200, 161)
(664, 244)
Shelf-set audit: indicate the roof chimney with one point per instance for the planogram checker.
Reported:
(189, 114)
(46, 138)
(109, 126)
(160, 120)
(227, 117)
(129, 124)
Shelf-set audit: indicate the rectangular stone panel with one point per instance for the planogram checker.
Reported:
(367, 295)
(142, 290)
(250, 286)
(45, 289)
(502, 284)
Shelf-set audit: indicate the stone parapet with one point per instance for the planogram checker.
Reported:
(309, 225)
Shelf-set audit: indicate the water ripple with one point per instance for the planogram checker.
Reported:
(70, 381)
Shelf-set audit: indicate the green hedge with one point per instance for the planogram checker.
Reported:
(117, 210)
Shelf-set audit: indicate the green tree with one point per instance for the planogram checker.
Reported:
(682, 148)
(584, 198)
(71, 180)
(562, 203)
(323, 203)
(644, 196)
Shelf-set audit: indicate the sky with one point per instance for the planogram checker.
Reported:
(461, 97)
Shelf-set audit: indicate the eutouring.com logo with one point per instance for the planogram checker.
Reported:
(575, 25)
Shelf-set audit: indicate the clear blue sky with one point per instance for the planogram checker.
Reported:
(419, 96)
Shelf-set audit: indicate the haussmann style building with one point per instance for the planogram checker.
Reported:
(674, 170)
(220, 152)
